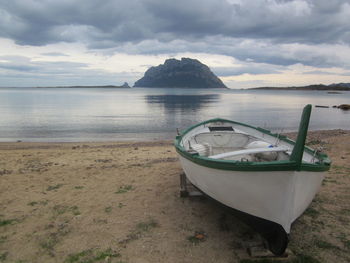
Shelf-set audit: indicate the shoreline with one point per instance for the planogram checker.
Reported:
(153, 140)
(61, 201)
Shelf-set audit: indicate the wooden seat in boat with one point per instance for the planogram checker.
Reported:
(248, 151)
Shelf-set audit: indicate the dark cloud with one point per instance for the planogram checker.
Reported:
(44, 22)
(109, 22)
(246, 51)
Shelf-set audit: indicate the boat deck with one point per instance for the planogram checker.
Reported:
(219, 142)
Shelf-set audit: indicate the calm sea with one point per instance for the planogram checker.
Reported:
(100, 114)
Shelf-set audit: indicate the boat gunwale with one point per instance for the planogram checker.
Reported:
(285, 165)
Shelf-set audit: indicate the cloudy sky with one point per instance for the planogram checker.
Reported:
(247, 43)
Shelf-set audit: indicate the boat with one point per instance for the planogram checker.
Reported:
(267, 178)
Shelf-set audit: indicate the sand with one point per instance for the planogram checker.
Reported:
(119, 202)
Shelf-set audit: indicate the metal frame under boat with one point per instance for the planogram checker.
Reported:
(303, 163)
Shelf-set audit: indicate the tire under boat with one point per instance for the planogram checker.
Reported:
(268, 179)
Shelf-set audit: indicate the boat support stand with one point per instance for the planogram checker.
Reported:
(186, 188)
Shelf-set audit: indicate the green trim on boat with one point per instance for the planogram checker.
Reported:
(298, 150)
(288, 165)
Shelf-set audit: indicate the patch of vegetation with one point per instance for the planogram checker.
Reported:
(146, 226)
(49, 242)
(75, 210)
(313, 142)
(78, 187)
(61, 209)
(3, 239)
(340, 168)
(345, 211)
(346, 242)
(321, 199)
(329, 181)
(312, 212)
(91, 256)
(100, 221)
(53, 187)
(325, 245)
(44, 202)
(140, 229)
(4, 171)
(3, 256)
(124, 189)
(298, 259)
(103, 160)
(33, 203)
(305, 259)
(7, 222)
(264, 260)
(120, 205)
(108, 209)
(197, 238)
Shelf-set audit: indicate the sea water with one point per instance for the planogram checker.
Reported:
(107, 114)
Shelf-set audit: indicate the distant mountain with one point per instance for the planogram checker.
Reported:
(184, 73)
(335, 86)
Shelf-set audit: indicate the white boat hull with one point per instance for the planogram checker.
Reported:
(277, 196)
(268, 177)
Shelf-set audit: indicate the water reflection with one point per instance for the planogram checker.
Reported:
(173, 103)
(108, 114)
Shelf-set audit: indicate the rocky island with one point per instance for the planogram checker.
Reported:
(184, 73)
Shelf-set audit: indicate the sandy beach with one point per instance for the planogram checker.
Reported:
(119, 202)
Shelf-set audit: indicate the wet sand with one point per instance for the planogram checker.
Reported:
(119, 202)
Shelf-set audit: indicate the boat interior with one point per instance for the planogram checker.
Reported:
(227, 143)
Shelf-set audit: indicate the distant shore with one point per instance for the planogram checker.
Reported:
(77, 87)
(332, 87)
(87, 87)
(62, 201)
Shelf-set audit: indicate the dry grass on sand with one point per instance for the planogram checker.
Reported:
(119, 202)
